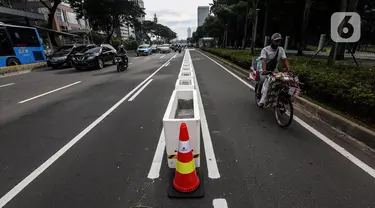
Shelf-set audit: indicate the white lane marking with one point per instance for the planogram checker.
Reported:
(168, 64)
(26, 181)
(158, 158)
(139, 91)
(325, 139)
(130, 63)
(137, 57)
(6, 85)
(162, 56)
(55, 90)
(220, 203)
(233, 74)
(213, 170)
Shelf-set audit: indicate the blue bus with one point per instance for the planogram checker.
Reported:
(20, 45)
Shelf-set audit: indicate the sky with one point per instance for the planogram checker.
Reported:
(176, 14)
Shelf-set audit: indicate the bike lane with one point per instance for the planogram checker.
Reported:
(262, 165)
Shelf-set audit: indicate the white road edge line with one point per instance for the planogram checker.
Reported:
(140, 90)
(26, 181)
(55, 90)
(220, 203)
(6, 85)
(158, 158)
(325, 139)
(168, 64)
(213, 170)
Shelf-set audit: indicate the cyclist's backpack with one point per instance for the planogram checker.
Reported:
(271, 65)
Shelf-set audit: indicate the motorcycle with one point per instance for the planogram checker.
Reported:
(282, 89)
(179, 50)
(122, 63)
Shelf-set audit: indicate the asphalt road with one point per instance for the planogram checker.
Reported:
(87, 139)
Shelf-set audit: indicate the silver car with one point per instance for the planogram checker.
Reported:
(165, 48)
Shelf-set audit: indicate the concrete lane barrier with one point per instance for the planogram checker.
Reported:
(185, 84)
(186, 74)
(184, 69)
(182, 108)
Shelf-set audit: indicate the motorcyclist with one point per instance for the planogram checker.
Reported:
(121, 52)
(270, 57)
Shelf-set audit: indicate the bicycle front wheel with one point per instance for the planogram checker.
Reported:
(284, 111)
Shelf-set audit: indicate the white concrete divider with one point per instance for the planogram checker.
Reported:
(186, 68)
(182, 108)
(185, 84)
(186, 74)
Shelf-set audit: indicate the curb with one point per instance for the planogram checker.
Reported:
(23, 67)
(352, 129)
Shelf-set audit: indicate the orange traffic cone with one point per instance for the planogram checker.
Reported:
(186, 178)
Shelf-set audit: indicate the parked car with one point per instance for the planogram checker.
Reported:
(79, 50)
(95, 57)
(155, 48)
(144, 50)
(165, 48)
(62, 56)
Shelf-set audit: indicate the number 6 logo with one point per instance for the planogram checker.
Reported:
(345, 27)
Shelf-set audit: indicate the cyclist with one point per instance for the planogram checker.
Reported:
(270, 57)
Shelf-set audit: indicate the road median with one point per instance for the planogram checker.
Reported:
(21, 68)
(321, 112)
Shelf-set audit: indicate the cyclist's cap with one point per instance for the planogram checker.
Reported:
(276, 36)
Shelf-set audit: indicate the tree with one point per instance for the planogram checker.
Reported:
(108, 15)
(254, 4)
(305, 22)
(51, 5)
(151, 29)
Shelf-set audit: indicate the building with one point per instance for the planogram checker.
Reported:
(65, 18)
(203, 12)
(66, 27)
(19, 16)
(127, 31)
(189, 32)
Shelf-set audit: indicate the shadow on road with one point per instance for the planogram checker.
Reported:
(106, 73)
(71, 71)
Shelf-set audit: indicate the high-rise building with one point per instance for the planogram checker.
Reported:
(189, 32)
(203, 12)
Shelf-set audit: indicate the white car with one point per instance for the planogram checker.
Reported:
(165, 48)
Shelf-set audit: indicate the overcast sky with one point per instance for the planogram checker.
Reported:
(176, 14)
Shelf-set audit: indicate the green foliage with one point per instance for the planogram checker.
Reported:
(239, 57)
(107, 15)
(343, 87)
(116, 41)
(98, 38)
(151, 28)
(130, 44)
